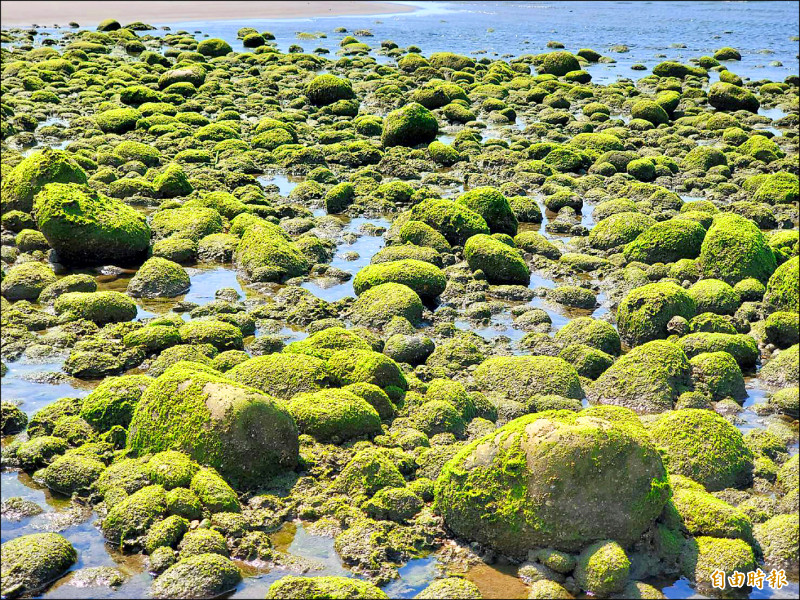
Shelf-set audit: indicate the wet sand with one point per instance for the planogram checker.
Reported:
(91, 13)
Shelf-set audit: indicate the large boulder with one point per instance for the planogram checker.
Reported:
(427, 280)
(409, 126)
(735, 249)
(265, 255)
(32, 561)
(557, 479)
(726, 96)
(87, 228)
(644, 313)
(344, 588)
(282, 374)
(493, 206)
(454, 221)
(782, 287)
(201, 576)
(159, 278)
(243, 433)
(327, 89)
(26, 281)
(501, 263)
(648, 379)
(25, 180)
(703, 446)
(666, 242)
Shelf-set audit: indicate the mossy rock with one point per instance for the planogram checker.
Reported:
(193, 223)
(220, 334)
(729, 97)
(536, 243)
(265, 255)
(735, 249)
(128, 520)
(214, 47)
(366, 366)
(781, 329)
(72, 474)
(649, 111)
(159, 278)
(327, 89)
(202, 541)
(782, 370)
(454, 221)
(777, 538)
(13, 419)
(704, 447)
(172, 469)
(591, 332)
(450, 587)
(369, 471)
(602, 568)
(559, 63)
(645, 311)
(742, 347)
(166, 533)
(27, 179)
(409, 126)
(201, 576)
(117, 120)
(666, 242)
(512, 491)
(427, 280)
(501, 263)
(718, 375)
(153, 338)
(648, 379)
(380, 304)
(214, 492)
(99, 307)
(283, 374)
(782, 289)
(26, 281)
(421, 234)
(546, 589)
(30, 562)
(714, 296)
(331, 415)
(493, 206)
(619, 229)
(702, 556)
(236, 429)
(339, 588)
(322, 344)
(520, 377)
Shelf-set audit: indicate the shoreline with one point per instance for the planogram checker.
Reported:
(16, 13)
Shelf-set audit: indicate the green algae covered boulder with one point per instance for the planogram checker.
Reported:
(159, 278)
(740, 346)
(493, 206)
(702, 513)
(591, 332)
(704, 447)
(702, 556)
(454, 221)
(666, 242)
(220, 334)
(714, 296)
(427, 280)
(282, 374)
(450, 587)
(645, 311)
(366, 366)
(409, 126)
(26, 281)
(30, 562)
(327, 89)
(777, 538)
(718, 376)
(602, 568)
(648, 379)
(501, 263)
(201, 576)
(98, 307)
(560, 63)
(735, 249)
(27, 179)
(322, 344)
(557, 479)
(649, 111)
(213, 492)
(726, 96)
(117, 120)
(520, 377)
(335, 588)
(264, 255)
(72, 474)
(618, 229)
(87, 228)
(128, 520)
(192, 222)
(782, 370)
(380, 304)
(214, 47)
(243, 433)
(334, 415)
(782, 287)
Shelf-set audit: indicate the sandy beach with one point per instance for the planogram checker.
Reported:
(91, 13)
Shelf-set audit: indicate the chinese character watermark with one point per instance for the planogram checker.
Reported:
(776, 579)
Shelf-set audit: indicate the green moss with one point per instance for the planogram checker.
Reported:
(221, 335)
(266, 256)
(202, 576)
(409, 126)
(501, 263)
(454, 221)
(734, 249)
(130, 519)
(742, 347)
(588, 362)
(375, 396)
(393, 504)
(334, 415)
(667, 241)
(368, 472)
(213, 492)
(378, 305)
(201, 354)
(777, 538)
(184, 503)
(13, 419)
(516, 488)
(451, 587)
(649, 111)
(327, 89)
(214, 47)
(40, 451)
(493, 206)
(26, 281)
(366, 366)
(645, 311)
(782, 288)
(718, 375)
(224, 203)
(591, 332)
(778, 188)
(519, 377)
(98, 307)
(650, 378)
(30, 562)
(282, 375)
(782, 370)
(118, 120)
(216, 421)
(559, 63)
(165, 533)
(703, 514)
(193, 223)
(703, 555)
(427, 280)
(602, 568)
(703, 158)
(339, 197)
(127, 476)
(704, 447)
(72, 473)
(618, 229)
(339, 588)
(202, 541)
(172, 469)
